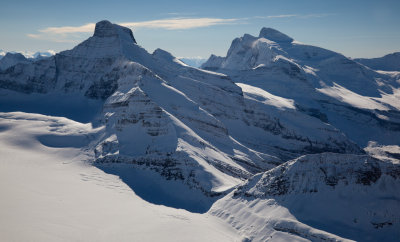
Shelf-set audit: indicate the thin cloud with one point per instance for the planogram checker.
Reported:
(60, 38)
(281, 16)
(69, 29)
(317, 15)
(34, 36)
(64, 33)
(180, 14)
(180, 23)
(170, 24)
(73, 34)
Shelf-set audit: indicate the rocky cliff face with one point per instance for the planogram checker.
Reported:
(320, 172)
(337, 193)
(353, 98)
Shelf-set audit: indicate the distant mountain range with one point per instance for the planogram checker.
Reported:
(195, 61)
(30, 55)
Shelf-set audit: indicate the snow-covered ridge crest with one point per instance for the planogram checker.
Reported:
(359, 101)
(389, 62)
(337, 193)
(319, 173)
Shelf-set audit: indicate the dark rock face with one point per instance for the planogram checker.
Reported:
(106, 29)
(356, 191)
(368, 174)
(312, 173)
(314, 112)
(274, 35)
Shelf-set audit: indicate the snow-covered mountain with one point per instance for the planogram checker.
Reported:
(30, 54)
(2, 54)
(390, 62)
(352, 196)
(185, 137)
(41, 54)
(194, 61)
(187, 124)
(361, 102)
(10, 59)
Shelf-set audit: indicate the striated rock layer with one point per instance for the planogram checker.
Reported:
(352, 196)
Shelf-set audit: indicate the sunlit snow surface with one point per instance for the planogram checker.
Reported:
(361, 102)
(50, 192)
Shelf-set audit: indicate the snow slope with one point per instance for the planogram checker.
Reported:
(50, 192)
(360, 102)
(351, 196)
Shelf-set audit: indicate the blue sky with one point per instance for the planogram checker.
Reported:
(356, 28)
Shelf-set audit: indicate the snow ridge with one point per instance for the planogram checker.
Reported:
(355, 99)
(337, 193)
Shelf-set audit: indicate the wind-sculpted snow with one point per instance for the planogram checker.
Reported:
(354, 196)
(337, 90)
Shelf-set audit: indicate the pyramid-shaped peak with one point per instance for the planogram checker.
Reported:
(274, 35)
(105, 28)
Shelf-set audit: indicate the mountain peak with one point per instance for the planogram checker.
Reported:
(15, 55)
(105, 28)
(274, 35)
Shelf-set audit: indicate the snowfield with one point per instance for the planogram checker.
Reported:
(51, 192)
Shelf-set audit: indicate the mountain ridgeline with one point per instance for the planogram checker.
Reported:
(234, 129)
